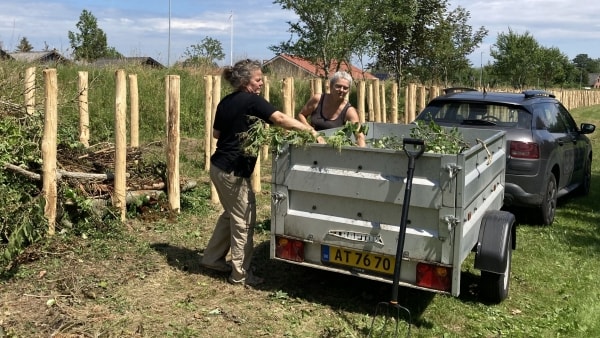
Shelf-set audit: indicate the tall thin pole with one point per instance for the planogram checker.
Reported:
(481, 71)
(169, 46)
(231, 40)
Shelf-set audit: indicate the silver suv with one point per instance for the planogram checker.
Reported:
(548, 156)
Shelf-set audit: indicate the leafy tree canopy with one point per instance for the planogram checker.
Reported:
(90, 43)
(205, 53)
(24, 46)
(328, 32)
(517, 57)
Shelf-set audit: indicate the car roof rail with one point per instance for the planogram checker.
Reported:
(537, 93)
(458, 90)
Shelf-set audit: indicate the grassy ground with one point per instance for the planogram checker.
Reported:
(143, 280)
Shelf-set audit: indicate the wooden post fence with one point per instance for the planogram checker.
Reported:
(360, 94)
(119, 197)
(173, 187)
(216, 96)
(208, 84)
(376, 101)
(49, 148)
(383, 106)
(267, 96)
(394, 102)
(288, 96)
(84, 113)
(134, 116)
(30, 90)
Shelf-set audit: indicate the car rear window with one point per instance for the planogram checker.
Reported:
(473, 112)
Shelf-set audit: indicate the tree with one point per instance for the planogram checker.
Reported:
(516, 58)
(90, 43)
(206, 53)
(24, 46)
(328, 31)
(553, 66)
(393, 22)
(448, 43)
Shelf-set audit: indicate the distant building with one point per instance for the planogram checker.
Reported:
(4, 55)
(128, 61)
(294, 66)
(593, 80)
(43, 57)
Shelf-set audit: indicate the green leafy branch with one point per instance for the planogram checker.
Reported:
(438, 139)
(260, 134)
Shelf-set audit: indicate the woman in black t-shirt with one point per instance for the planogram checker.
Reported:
(231, 168)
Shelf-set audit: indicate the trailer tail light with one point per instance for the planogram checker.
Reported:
(434, 277)
(524, 150)
(290, 249)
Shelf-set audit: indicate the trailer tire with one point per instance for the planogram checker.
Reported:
(493, 287)
(493, 254)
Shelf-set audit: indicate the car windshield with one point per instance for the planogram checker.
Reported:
(477, 113)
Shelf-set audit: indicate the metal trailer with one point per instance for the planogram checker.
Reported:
(339, 210)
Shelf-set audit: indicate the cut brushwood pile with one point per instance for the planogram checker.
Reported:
(90, 171)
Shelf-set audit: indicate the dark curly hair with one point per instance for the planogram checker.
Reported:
(240, 74)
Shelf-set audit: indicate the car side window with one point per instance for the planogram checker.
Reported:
(564, 115)
(547, 117)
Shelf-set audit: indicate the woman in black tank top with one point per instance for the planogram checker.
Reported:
(332, 110)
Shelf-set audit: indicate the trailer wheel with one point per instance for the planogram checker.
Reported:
(493, 287)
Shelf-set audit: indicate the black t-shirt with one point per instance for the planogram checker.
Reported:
(233, 116)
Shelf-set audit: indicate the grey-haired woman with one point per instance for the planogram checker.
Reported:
(332, 110)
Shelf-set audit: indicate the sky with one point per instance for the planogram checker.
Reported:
(164, 29)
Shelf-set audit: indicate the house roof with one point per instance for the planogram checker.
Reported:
(314, 70)
(140, 60)
(37, 56)
(4, 55)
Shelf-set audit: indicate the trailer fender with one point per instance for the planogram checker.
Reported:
(497, 231)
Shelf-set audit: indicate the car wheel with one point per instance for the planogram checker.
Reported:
(548, 207)
(493, 287)
(586, 183)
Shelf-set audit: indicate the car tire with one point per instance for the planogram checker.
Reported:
(549, 200)
(586, 183)
(493, 287)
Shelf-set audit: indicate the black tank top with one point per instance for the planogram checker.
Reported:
(319, 122)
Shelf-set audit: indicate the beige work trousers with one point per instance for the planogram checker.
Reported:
(235, 226)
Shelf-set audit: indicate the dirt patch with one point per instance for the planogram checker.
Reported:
(144, 280)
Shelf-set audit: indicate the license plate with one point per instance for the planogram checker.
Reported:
(358, 259)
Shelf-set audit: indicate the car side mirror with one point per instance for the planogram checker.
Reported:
(587, 128)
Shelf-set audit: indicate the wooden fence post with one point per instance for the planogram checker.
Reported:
(376, 100)
(394, 102)
(173, 187)
(360, 94)
(84, 113)
(49, 148)
(119, 197)
(216, 97)
(411, 91)
(208, 84)
(266, 95)
(372, 116)
(421, 98)
(30, 90)
(287, 96)
(383, 106)
(134, 100)
(318, 86)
